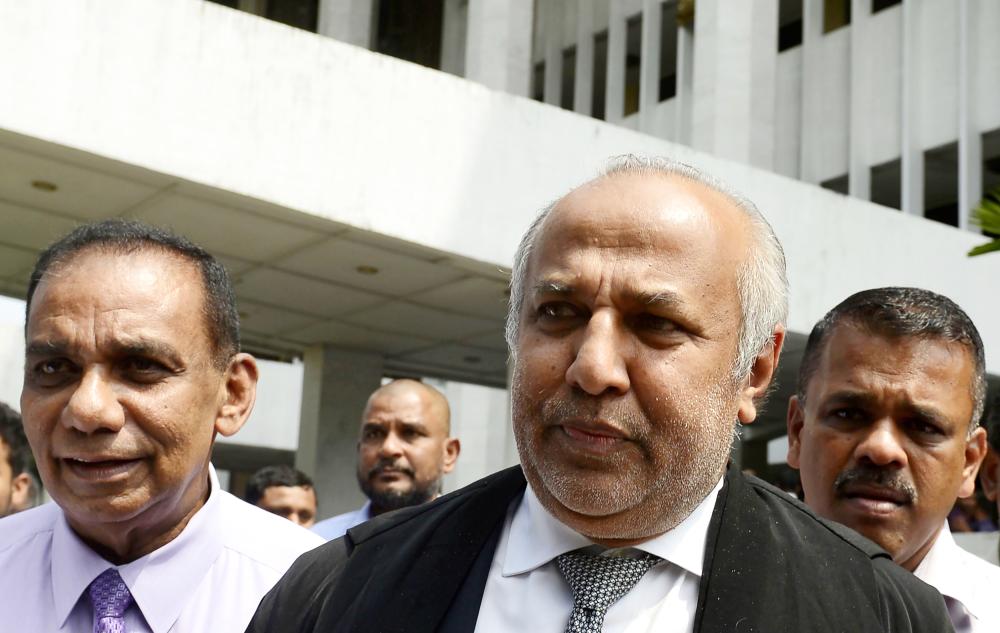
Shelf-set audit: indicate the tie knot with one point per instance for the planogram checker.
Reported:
(109, 595)
(599, 581)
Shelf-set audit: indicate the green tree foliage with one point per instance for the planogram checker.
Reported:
(987, 216)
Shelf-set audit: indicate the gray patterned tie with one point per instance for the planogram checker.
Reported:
(597, 583)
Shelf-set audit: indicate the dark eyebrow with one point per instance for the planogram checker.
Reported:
(45, 348)
(146, 347)
(861, 400)
(850, 398)
(136, 347)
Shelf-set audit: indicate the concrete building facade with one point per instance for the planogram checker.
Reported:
(369, 207)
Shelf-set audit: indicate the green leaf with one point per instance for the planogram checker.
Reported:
(988, 247)
(987, 217)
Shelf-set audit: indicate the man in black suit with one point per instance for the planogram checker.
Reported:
(646, 318)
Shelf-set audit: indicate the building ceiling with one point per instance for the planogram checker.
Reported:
(300, 280)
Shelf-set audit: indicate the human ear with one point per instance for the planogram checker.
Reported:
(239, 393)
(452, 447)
(975, 451)
(763, 370)
(20, 492)
(989, 474)
(794, 420)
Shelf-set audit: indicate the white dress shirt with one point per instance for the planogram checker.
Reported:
(210, 578)
(526, 592)
(335, 527)
(968, 583)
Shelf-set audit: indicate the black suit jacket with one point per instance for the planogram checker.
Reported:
(771, 566)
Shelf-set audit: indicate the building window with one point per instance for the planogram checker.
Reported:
(789, 24)
(879, 5)
(600, 75)
(633, 62)
(538, 81)
(568, 78)
(838, 184)
(887, 184)
(836, 13)
(941, 184)
(301, 14)
(410, 30)
(668, 51)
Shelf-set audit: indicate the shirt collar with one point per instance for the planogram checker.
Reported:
(536, 537)
(160, 582)
(946, 568)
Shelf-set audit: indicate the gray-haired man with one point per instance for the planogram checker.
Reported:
(647, 315)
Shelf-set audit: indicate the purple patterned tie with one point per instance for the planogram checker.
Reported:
(110, 597)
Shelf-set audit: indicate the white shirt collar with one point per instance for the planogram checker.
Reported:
(536, 537)
(949, 569)
(173, 569)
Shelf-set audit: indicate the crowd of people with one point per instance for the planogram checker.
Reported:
(646, 322)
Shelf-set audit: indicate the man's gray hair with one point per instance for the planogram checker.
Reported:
(761, 280)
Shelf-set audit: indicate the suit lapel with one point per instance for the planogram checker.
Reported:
(444, 556)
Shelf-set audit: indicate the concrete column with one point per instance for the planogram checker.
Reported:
(614, 97)
(498, 44)
(911, 161)
(859, 175)
(336, 384)
(583, 89)
(453, 32)
(735, 62)
(552, 23)
(812, 103)
(349, 21)
(685, 85)
(649, 65)
(970, 142)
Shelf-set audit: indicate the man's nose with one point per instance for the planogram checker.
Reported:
(94, 405)
(392, 446)
(599, 365)
(882, 445)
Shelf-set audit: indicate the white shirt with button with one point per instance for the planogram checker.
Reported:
(526, 592)
(210, 578)
(968, 583)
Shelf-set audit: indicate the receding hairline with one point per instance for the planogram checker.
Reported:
(432, 399)
(710, 209)
(112, 252)
(851, 323)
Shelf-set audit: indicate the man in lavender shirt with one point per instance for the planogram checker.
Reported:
(132, 368)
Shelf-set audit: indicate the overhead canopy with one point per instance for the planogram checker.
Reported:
(300, 280)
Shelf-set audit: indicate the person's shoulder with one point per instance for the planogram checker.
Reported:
(907, 603)
(502, 485)
(976, 587)
(800, 517)
(336, 526)
(903, 602)
(978, 567)
(313, 583)
(265, 538)
(18, 529)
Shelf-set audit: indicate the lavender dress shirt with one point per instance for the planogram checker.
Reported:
(335, 527)
(210, 578)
